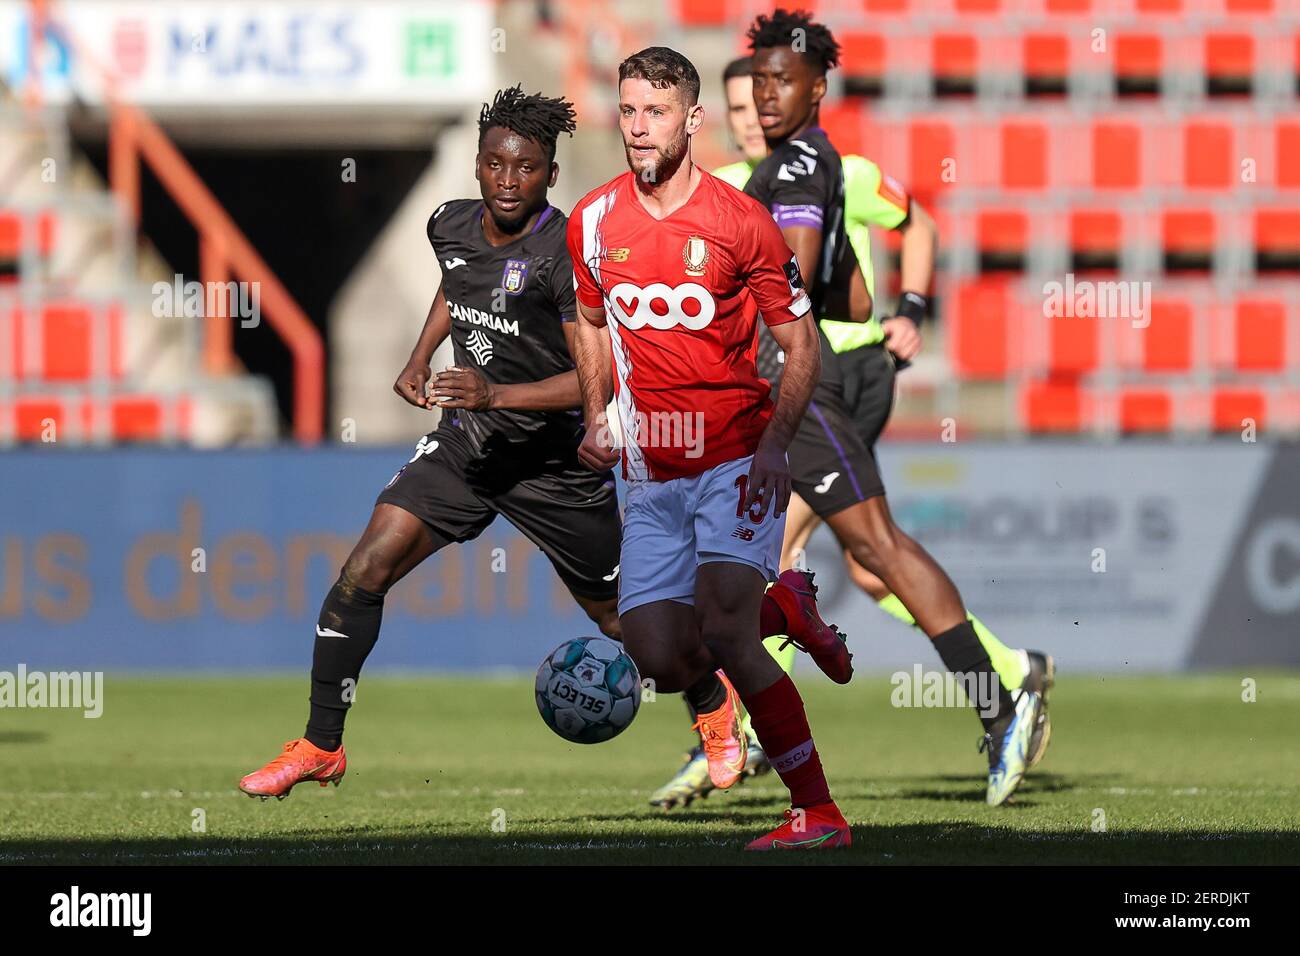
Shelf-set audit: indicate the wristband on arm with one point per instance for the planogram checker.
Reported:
(914, 306)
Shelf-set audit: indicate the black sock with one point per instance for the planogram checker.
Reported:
(356, 613)
(705, 695)
(964, 655)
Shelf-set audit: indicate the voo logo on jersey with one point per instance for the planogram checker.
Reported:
(662, 306)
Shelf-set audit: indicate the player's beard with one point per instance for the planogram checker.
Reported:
(665, 160)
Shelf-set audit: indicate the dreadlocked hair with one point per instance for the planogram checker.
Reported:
(797, 30)
(536, 117)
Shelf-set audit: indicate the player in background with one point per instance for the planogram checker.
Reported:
(508, 438)
(802, 183)
(672, 267)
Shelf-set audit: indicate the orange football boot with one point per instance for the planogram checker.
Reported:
(722, 738)
(300, 761)
(822, 827)
(796, 596)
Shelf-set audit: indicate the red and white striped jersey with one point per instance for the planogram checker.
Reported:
(681, 298)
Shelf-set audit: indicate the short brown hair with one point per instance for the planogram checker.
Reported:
(741, 66)
(663, 68)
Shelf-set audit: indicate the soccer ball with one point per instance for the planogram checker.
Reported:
(588, 690)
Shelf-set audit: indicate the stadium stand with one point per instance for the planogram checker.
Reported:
(90, 352)
(1145, 149)
(1143, 153)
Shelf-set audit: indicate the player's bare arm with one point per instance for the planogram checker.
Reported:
(591, 355)
(806, 244)
(412, 383)
(920, 238)
(770, 473)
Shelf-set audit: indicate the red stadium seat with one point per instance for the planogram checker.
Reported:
(1208, 155)
(1001, 236)
(862, 61)
(11, 235)
(1095, 236)
(930, 144)
(954, 63)
(981, 335)
(1054, 407)
(1187, 236)
(136, 418)
(1139, 62)
(703, 13)
(977, 6)
(1116, 155)
(885, 6)
(1229, 64)
(1072, 344)
(842, 122)
(1277, 239)
(1208, 161)
(1145, 411)
(1068, 6)
(1158, 6)
(1287, 144)
(1167, 341)
(1259, 335)
(1249, 6)
(1046, 59)
(31, 414)
(1024, 155)
(67, 343)
(13, 226)
(1232, 409)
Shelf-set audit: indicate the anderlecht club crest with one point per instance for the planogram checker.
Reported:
(516, 272)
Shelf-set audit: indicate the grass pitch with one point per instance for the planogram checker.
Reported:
(448, 770)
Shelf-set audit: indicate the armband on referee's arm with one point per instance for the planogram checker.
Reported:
(914, 306)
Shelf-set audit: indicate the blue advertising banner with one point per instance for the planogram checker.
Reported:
(184, 559)
(1131, 557)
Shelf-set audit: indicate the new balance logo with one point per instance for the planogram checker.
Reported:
(825, 486)
(453, 263)
(743, 533)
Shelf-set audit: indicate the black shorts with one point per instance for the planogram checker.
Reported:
(831, 467)
(570, 514)
(867, 374)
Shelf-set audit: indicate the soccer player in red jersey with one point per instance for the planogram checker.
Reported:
(672, 267)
